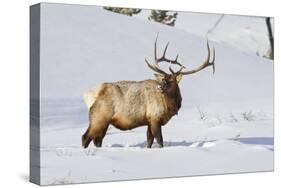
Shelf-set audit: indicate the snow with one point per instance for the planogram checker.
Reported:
(245, 33)
(82, 46)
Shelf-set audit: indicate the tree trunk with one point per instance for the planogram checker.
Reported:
(270, 35)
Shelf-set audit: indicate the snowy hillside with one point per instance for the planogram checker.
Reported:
(225, 124)
(245, 33)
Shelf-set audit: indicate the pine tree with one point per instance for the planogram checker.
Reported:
(163, 17)
(125, 11)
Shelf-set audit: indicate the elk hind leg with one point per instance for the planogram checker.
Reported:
(99, 137)
(96, 132)
(86, 139)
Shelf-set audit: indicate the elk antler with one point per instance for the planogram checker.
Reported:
(178, 72)
(155, 66)
(163, 58)
(205, 64)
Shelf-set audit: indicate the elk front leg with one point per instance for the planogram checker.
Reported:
(149, 136)
(157, 133)
(98, 141)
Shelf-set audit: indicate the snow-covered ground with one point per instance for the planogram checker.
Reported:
(225, 124)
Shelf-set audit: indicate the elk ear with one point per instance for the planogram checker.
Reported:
(159, 77)
(178, 78)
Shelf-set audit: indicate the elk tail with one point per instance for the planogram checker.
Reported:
(91, 95)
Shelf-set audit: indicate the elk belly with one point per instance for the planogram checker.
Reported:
(129, 117)
(126, 123)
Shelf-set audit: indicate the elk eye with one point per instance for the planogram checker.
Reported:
(163, 84)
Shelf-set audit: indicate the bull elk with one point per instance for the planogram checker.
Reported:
(130, 104)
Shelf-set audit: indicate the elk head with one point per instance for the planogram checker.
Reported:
(170, 80)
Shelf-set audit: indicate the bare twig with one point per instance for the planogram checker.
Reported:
(215, 25)
(201, 113)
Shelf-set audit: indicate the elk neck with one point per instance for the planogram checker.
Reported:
(173, 98)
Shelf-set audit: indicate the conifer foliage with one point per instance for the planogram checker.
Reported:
(125, 11)
(163, 16)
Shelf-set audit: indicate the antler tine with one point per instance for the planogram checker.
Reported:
(163, 58)
(157, 60)
(171, 70)
(177, 57)
(207, 61)
(179, 71)
(155, 51)
(164, 53)
(176, 62)
(208, 57)
(213, 61)
(155, 68)
(205, 64)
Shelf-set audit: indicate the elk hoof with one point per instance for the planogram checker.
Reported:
(98, 142)
(85, 141)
